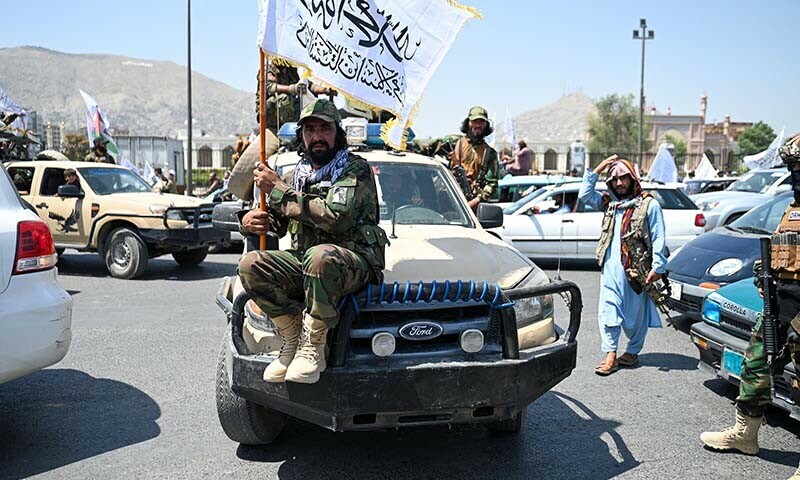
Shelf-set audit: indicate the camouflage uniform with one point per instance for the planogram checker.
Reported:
(337, 246)
(479, 161)
(280, 107)
(95, 156)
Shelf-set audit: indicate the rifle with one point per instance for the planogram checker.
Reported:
(769, 319)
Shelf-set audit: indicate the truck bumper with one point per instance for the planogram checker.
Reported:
(184, 237)
(398, 395)
(711, 341)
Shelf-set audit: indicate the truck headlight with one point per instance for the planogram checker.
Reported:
(383, 344)
(726, 267)
(711, 311)
(471, 340)
(533, 309)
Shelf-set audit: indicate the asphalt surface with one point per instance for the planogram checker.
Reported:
(134, 398)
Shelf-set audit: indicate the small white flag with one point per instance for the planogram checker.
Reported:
(705, 169)
(664, 169)
(768, 158)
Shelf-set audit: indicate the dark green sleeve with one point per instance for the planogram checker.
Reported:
(492, 174)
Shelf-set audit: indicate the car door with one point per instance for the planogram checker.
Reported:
(589, 221)
(536, 233)
(64, 216)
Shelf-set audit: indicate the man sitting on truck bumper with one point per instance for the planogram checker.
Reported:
(331, 211)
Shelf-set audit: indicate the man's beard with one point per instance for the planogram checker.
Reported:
(628, 193)
(476, 138)
(321, 157)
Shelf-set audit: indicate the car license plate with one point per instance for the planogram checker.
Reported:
(676, 290)
(732, 362)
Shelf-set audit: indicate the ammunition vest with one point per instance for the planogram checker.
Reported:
(638, 237)
(785, 245)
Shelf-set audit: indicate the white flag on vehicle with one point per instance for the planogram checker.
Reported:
(97, 126)
(380, 52)
(768, 158)
(705, 169)
(664, 169)
(10, 107)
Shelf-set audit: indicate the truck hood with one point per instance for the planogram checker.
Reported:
(700, 254)
(146, 200)
(434, 252)
(741, 299)
(726, 196)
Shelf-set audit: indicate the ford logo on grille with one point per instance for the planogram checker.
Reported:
(204, 217)
(420, 331)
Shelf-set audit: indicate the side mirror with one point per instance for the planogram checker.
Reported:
(490, 216)
(70, 191)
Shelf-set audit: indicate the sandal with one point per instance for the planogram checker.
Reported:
(628, 359)
(605, 368)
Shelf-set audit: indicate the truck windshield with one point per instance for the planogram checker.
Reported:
(764, 217)
(105, 181)
(418, 194)
(755, 181)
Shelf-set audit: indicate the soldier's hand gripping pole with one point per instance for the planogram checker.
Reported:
(769, 319)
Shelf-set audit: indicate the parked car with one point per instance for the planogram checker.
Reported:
(112, 211)
(232, 202)
(555, 224)
(753, 188)
(729, 316)
(35, 311)
(511, 188)
(694, 186)
(722, 256)
(487, 362)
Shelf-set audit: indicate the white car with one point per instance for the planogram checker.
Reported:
(35, 311)
(754, 188)
(553, 223)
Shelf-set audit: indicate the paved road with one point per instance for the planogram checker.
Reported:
(135, 399)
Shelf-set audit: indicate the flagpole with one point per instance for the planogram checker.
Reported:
(189, 95)
(262, 126)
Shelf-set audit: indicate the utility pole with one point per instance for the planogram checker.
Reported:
(189, 181)
(645, 35)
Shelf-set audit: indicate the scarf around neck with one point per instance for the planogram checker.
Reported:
(304, 174)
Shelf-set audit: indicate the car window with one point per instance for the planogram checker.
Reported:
(694, 187)
(418, 194)
(51, 180)
(22, 178)
(557, 202)
(755, 181)
(524, 201)
(105, 181)
(672, 199)
(766, 216)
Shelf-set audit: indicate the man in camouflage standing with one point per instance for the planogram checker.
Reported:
(756, 379)
(330, 208)
(99, 152)
(474, 158)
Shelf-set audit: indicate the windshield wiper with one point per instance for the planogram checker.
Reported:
(750, 229)
(734, 229)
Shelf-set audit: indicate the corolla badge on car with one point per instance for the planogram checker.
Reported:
(420, 331)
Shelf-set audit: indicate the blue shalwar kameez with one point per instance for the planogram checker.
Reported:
(620, 307)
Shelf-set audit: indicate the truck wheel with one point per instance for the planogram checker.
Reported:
(125, 254)
(191, 258)
(242, 420)
(512, 425)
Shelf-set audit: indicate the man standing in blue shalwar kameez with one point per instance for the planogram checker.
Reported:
(621, 307)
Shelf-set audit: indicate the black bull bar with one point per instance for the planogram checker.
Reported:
(405, 393)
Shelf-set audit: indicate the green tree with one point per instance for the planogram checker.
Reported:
(76, 146)
(756, 138)
(615, 126)
(678, 143)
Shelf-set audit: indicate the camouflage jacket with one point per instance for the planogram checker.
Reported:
(482, 170)
(93, 157)
(344, 214)
(283, 107)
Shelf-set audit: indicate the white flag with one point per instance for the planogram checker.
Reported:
(663, 169)
(150, 173)
(768, 158)
(97, 126)
(9, 106)
(705, 169)
(380, 52)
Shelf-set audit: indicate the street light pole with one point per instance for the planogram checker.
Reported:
(645, 35)
(190, 185)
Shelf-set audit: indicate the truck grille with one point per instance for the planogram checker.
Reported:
(687, 304)
(734, 324)
(199, 216)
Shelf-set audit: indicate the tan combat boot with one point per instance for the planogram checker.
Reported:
(288, 328)
(309, 361)
(743, 436)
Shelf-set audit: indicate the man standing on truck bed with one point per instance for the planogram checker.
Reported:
(99, 152)
(754, 387)
(330, 208)
(473, 162)
(631, 253)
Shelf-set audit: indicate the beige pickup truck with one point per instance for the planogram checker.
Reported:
(112, 211)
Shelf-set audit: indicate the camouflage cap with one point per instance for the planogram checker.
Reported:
(476, 113)
(790, 151)
(322, 109)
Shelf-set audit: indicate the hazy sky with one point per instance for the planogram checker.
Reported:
(523, 54)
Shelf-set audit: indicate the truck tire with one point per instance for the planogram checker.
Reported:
(125, 254)
(243, 421)
(512, 425)
(191, 258)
